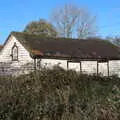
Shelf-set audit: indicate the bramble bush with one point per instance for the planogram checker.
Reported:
(59, 95)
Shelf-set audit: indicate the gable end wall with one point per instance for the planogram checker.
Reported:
(23, 54)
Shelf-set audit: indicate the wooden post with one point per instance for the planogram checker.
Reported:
(80, 67)
(34, 64)
(108, 68)
(97, 67)
(40, 66)
(67, 65)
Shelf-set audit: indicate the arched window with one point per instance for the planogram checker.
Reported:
(15, 52)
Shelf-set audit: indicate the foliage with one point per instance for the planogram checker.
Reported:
(59, 95)
(41, 27)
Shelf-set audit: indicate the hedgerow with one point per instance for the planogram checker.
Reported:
(59, 95)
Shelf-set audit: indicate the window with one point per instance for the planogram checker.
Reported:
(15, 52)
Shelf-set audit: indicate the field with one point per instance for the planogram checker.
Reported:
(59, 95)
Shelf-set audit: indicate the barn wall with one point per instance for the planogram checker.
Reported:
(86, 67)
(50, 63)
(103, 68)
(89, 67)
(74, 66)
(114, 67)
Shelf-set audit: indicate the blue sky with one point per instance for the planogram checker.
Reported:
(16, 14)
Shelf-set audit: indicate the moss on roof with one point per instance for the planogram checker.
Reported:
(91, 48)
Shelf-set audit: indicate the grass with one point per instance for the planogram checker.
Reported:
(59, 95)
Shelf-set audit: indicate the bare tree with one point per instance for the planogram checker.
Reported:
(65, 19)
(115, 40)
(72, 21)
(86, 26)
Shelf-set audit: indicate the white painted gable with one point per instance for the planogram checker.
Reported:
(23, 54)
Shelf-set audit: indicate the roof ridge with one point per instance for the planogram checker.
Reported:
(63, 38)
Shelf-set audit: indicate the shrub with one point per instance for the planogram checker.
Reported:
(59, 95)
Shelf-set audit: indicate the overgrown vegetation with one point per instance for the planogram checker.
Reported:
(59, 95)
